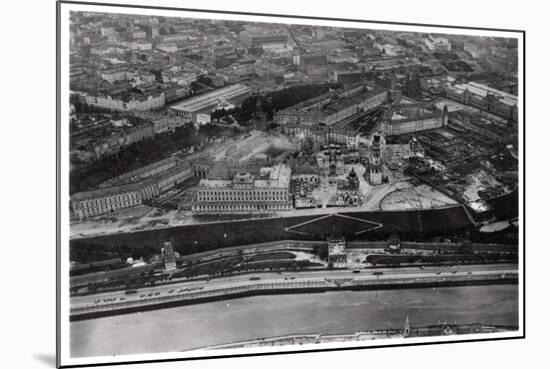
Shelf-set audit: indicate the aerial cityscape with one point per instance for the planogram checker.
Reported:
(328, 184)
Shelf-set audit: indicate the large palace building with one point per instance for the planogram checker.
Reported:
(245, 193)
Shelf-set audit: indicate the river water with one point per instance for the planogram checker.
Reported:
(188, 327)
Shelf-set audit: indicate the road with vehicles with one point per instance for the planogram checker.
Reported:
(314, 280)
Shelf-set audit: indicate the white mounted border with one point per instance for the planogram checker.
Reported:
(63, 330)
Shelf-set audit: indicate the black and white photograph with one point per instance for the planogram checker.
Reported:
(241, 184)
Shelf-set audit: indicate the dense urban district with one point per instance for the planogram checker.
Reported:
(285, 157)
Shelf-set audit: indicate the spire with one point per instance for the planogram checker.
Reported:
(407, 328)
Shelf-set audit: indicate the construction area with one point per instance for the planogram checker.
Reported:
(472, 160)
(244, 147)
(411, 197)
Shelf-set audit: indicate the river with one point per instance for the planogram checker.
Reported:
(188, 327)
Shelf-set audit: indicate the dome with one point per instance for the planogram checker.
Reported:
(242, 177)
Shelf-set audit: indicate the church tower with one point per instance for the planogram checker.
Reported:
(375, 162)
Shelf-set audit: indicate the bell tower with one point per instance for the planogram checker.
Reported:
(375, 162)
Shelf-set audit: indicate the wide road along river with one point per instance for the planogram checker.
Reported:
(194, 326)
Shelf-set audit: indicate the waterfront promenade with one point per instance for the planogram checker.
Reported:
(184, 293)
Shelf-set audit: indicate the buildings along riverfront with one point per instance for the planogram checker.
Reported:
(245, 193)
(131, 189)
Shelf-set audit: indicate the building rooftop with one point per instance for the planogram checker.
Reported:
(125, 187)
(107, 191)
(279, 177)
(141, 172)
(305, 168)
(211, 99)
(335, 101)
(482, 91)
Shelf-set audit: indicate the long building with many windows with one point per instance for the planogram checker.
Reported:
(408, 118)
(245, 194)
(205, 104)
(334, 106)
(254, 38)
(130, 101)
(130, 190)
(485, 98)
(102, 201)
